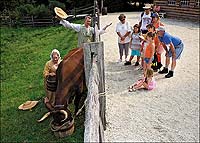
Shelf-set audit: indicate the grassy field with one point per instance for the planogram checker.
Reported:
(24, 52)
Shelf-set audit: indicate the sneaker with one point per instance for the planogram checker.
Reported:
(165, 70)
(132, 90)
(119, 60)
(137, 64)
(170, 74)
(155, 70)
(159, 65)
(127, 63)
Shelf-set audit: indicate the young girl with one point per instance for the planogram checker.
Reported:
(143, 45)
(134, 45)
(158, 46)
(149, 51)
(159, 49)
(147, 83)
(156, 20)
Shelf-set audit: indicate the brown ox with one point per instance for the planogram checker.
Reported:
(70, 85)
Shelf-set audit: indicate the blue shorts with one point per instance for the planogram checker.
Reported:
(146, 60)
(178, 50)
(135, 53)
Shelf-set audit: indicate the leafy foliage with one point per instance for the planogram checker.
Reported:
(30, 10)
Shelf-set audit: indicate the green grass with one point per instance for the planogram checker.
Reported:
(24, 52)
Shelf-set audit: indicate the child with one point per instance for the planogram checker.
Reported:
(134, 45)
(156, 20)
(143, 45)
(149, 51)
(147, 83)
(158, 47)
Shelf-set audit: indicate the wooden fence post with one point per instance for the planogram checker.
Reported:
(32, 21)
(53, 21)
(74, 12)
(10, 22)
(95, 51)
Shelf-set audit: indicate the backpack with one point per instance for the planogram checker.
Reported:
(142, 16)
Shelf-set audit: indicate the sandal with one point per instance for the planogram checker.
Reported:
(130, 87)
(132, 90)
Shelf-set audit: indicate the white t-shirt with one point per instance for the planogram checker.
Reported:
(123, 29)
(146, 19)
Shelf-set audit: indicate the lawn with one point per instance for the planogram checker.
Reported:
(24, 52)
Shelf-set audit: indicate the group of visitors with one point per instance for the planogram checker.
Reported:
(147, 40)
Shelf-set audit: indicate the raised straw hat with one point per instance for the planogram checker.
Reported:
(59, 12)
(147, 6)
(27, 105)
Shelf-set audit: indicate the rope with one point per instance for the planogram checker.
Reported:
(102, 94)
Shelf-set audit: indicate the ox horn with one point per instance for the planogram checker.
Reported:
(44, 117)
(65, 113)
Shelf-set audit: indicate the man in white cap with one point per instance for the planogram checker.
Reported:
(173, 47)
(85, 31)
(145, 18)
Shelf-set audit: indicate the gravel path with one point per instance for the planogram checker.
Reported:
(170, 113)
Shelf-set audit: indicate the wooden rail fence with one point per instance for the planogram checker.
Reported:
(30, 21)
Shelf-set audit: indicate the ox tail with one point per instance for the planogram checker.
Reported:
(44, 117)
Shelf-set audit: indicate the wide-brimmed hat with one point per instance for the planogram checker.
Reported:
(27, 105)
(59, 12)
(147, 6)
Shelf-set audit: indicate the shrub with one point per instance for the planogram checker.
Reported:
(53, 4)
(31, 10)
(41, 11)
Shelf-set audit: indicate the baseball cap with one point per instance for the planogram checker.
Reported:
(161, 28)
(155, 15)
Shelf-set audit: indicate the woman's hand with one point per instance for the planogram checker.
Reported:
(122, 38)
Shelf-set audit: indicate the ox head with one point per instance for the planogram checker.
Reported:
(61, 116)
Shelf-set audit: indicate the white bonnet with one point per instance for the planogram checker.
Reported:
(54, 51)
